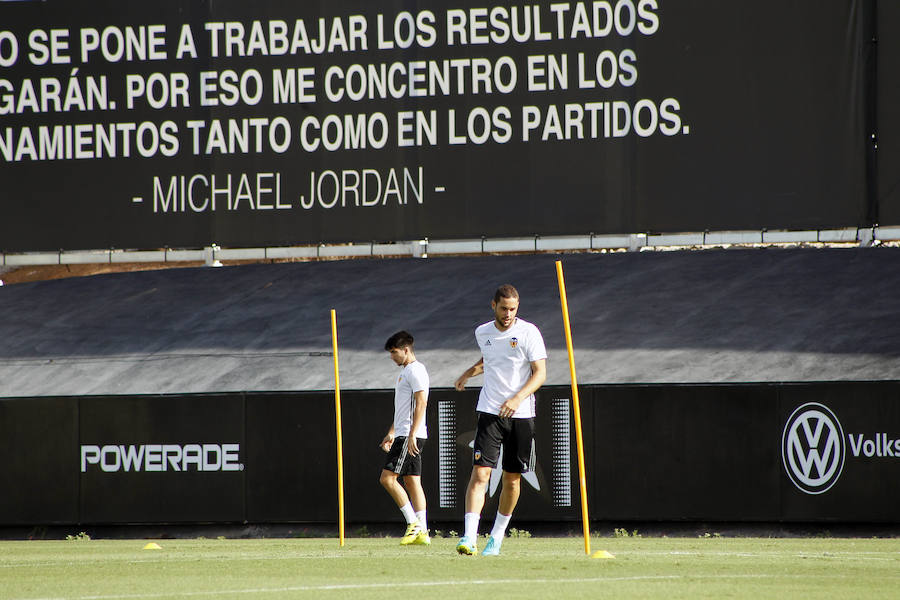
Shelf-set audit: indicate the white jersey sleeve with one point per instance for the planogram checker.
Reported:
(418, 377)
(413, 378)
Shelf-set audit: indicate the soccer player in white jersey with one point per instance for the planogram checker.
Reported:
(405, 439)
(513, 360)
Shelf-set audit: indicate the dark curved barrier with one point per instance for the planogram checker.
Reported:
(811, 452)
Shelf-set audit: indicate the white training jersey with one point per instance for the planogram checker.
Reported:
(507, 364)
(413, 378)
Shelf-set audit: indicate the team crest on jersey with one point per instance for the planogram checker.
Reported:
(513, 342)
(478, 455)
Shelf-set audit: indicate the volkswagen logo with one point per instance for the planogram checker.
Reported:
(812, 448)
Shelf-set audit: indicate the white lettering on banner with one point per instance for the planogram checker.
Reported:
(9, 49)
(609, 69)
(206, 193)
(49, 48)
(240, 135)
(278, 38)
(131, 458)
(52, 94)
(479, 126)
(350, 132)
(367, 187)
(881, 447)
(113, 458)
(458, 76)
(290, 86)
(160, 90)
(152, 458)
(595, 19)
(594, 120)
(129, 44)
(230, 87)
(408, 30)
(67, 142)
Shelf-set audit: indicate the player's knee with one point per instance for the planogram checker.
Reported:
(511, 480)
(387, 479)
(481, 475)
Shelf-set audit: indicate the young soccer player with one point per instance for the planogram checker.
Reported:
(405, 439)
(513, 360)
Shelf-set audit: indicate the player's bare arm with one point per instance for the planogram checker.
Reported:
(537, 379)
(473, 371)
(418, 417)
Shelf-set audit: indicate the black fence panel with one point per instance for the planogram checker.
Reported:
(841, 451)
(292, 453)
(812, 452)
(38, 461)
(684, 453)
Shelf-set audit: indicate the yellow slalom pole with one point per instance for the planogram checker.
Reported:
(577, 407)
(337, 412)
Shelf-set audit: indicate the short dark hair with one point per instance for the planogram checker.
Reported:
(506, 291)
(401, 339)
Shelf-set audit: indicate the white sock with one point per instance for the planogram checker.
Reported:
(471, 521)
(422, 520)
(408, 513)
(500, 524)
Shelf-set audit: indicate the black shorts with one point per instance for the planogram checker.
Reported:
(515, 436)
(402, 462)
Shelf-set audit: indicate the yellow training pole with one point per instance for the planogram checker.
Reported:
(337, 412)
(577, 406)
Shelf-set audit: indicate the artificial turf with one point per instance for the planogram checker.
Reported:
(529, 567)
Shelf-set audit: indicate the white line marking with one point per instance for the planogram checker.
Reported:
(440, 189)
(416, 584)
(132, 561)
(829, 555)
(137, 200)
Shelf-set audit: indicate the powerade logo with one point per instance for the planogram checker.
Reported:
(812, 448)
(161, 457)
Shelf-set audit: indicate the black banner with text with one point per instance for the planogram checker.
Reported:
(888, 117)
(181, 124)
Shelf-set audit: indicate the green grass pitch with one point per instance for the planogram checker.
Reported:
(530, 567)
